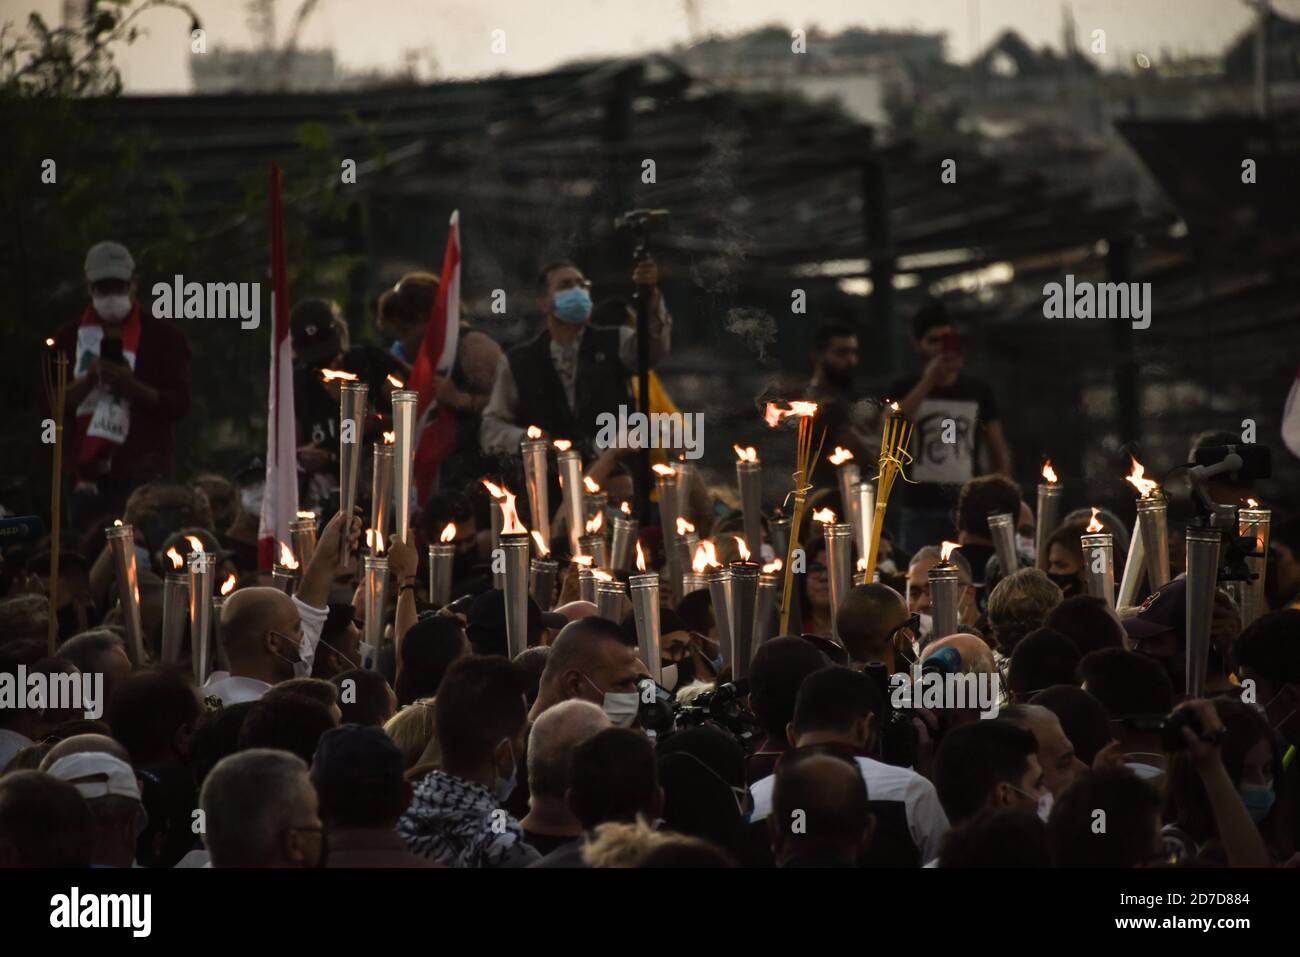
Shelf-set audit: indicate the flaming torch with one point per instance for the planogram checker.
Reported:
(571, 490)
(542, 570)
(1153, 524)
(176, 607)
(441, 555)
(1202, 575)
(644, 589)
(1254, 524)
(515, 544)
(533, 449)
(121, 543)
(1099, 556)
(587, 577)
(381, 488)
(718, 580)
(846, 470)
(944, 589)
(839, 563)
(219, 602)
(666, 489)
(894, 438)
(1049, 514)
(285, 571)
(352, 423)
(595, 500)
(744, 595)
(303, 532)
(749, 480)
(769, 590)
(593, 543)
(201, 567)
(804, 457)
(375, 595)
(620, 542)
(609, 599)
(499, 495)
(687, 542)
(404, 408)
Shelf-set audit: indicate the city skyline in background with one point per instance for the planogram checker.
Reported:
(395, 36)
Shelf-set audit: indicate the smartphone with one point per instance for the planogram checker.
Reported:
(952, 342)
(110, 350)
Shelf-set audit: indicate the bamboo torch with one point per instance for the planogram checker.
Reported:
(893, 456)
(804, 457)
(55, 367)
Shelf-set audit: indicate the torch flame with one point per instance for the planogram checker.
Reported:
(640, 558)
(862, 564)
(601, 575)
(895, 407)
(510, 524)
(1049, 473)
(390, 438)
(1251, 503)
(175, 556)
(228, 585)
(493, 489)
(841, 456)
(1144, 485)
(946, 550)
(329, 375)
(448, 533)
(590, 485)
(824, 515)
(584, 560)
(196, 543)
(706, 557)
(1094, 525)
(374, 541)
(542, 550)
(742, 547)
(562, 445)
(747, 454)
(286, 555)
(774, 413)
(594, 523)
(395, 382)
(626, 508)
(533, 432)
(49, 342)
(771, 567)
(117, 522)
(684, 527)
(660, 469)
(304, 514)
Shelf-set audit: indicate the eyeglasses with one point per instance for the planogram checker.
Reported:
(912, 624)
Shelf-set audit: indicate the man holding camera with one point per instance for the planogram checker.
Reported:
(129, 385)
(570, 372)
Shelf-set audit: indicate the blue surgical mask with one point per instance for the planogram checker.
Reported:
(573, 305)
(1258, 799)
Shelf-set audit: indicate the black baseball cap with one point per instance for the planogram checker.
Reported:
(1163, 611)
(485, 624)
(317, 330)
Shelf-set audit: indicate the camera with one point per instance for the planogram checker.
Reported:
(897, 734)
(724, 705)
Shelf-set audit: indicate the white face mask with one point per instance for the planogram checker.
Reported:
(1025, 544)
(250, 499)
(927, 623)
(1045, 807)
(113, 308)
(620, 707)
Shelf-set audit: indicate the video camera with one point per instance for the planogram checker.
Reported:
(1241, 463)
(724, 706)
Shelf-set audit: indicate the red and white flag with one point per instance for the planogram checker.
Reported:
(436, 426)
(280, 497)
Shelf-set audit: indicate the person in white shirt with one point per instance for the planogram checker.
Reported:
(270, 637)
(838, 710)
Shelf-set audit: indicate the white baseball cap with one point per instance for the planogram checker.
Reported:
(109, 260)
(96, 774)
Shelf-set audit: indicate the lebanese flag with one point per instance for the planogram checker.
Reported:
(280, 498)
(435, 426)
(1291, 418)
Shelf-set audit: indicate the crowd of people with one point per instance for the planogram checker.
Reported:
(437, 749)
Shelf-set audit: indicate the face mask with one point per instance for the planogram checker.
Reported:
(1069, 584)
(142, 560)
(620, 707)
(573, 306)
(1258, 799)
(685, 671)
(1045, 807)
(112, 308)
(927, 623)
(1025, 544)
(299, 666)
(250, 499)
(505, 787)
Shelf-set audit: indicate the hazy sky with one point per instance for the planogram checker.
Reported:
(369, 34)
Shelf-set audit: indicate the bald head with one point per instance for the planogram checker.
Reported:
(976, 656)
(866, 619)
(247, 618)
(589, 659)
(1056, 753)
(554, 735)
(832, 796)
(80, 743)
